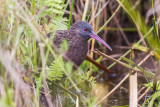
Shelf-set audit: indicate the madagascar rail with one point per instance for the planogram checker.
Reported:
(77, 38)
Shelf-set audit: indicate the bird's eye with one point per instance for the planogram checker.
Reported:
(85, 29)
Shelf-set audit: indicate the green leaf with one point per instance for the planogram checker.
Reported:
(55, 71)
(64, 46)
(150, 84)
(140, 47)
(69, 67)
(155, 30)
(54, 6)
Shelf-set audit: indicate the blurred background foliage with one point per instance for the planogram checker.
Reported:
(33, 74)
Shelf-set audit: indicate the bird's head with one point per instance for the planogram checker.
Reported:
(85, 30)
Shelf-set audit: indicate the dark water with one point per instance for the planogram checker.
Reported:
(120, 97)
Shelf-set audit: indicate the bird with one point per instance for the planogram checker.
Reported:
(77, 38)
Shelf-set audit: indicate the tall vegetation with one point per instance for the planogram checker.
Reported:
(33, 74)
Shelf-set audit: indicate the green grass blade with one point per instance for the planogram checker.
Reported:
(70, 15)
(85, 10)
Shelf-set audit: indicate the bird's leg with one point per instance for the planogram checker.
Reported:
(98, 65)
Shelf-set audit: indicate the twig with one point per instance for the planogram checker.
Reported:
(141, 89)
(93, 40)
(140, 97)
(138, 69)
(120, 28)
(99, 11)
(101, 28)
(74, 14)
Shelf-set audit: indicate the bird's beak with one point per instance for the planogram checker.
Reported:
(93, 35)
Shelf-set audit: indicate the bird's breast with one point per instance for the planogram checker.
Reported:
(77, 46)
(77, 50)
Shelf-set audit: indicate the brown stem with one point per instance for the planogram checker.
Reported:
(98, 65)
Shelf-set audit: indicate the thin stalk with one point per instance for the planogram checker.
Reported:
(101, 28)
(140, 24)
(93, 40)
(70, 15)
(137, 68)
(123, 29)
(125, 54)
(33, 7)
(103, 7)
(120, 83)
(133, 87)
(35, 55)
(85, 10)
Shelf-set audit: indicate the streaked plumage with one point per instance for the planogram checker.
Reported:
(77, 37)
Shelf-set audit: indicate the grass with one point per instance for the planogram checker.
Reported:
(29, 63)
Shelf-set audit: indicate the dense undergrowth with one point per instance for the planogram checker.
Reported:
(32, 73)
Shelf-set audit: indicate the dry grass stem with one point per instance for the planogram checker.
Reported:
(140, 97)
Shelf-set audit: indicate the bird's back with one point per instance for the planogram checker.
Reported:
(59, 37)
